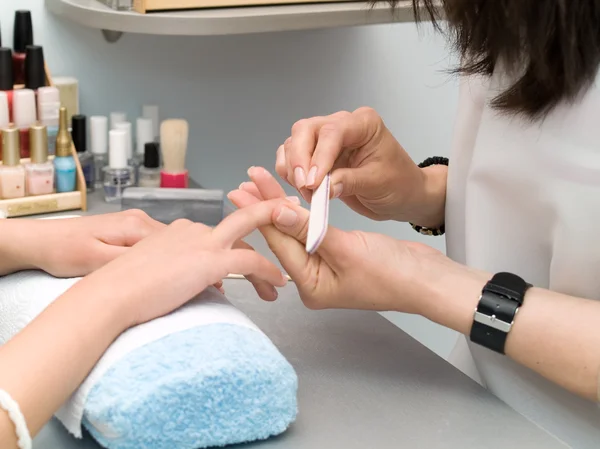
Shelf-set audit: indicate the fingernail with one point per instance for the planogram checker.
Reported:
(241, 187)
(337, 190)
(287, 217)
(275, 293)
(293, 199)
(312, 177)
(249, 170)
(300, 177)
(280, 160)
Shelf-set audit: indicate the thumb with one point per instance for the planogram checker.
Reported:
(349, 181)
(292, 220)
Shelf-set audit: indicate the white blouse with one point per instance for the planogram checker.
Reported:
(525, 197)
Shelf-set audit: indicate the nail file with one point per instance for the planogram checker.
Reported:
(319, 217)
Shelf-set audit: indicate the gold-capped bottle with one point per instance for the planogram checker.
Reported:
(64, 164)
(12, 173)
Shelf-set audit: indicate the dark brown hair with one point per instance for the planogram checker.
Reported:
(551, 47)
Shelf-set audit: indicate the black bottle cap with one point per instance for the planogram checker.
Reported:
(78, 133)
(151, 155)
(35, 73)
(23, 31)
(6, 69)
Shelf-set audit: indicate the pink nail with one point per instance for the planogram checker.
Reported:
(300, 177)
(337, 190)
(312, 177)
(287, 217)
(293, 199)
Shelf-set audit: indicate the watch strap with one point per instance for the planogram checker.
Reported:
(498, 305)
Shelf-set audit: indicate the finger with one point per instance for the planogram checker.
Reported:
(280, 166)
(293, 220)
(242, 222)
(251, 188)
(266, 184)
(241, 198)
(264, 289)
(287, 149)
(250, 263)
(301, 148)
(349, 131)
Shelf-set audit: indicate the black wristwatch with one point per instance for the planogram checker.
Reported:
(495, 314)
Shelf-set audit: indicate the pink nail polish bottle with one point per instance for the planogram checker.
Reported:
(173, 143)
(12, 173)
(39, 173)
(4, 116)
(24, 116)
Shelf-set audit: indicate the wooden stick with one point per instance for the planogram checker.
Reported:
(241, 276)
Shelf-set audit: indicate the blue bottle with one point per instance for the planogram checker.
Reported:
(64, 164)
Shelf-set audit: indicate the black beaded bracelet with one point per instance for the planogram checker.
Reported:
(435, 160)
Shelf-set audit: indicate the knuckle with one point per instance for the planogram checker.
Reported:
(300, 126)
(181, 223)
(368, 113)
(329, 129)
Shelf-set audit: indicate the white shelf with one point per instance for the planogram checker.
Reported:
(92, 13)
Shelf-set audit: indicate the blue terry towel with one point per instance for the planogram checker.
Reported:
(213, 385)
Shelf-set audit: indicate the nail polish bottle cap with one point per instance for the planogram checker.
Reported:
(23, 31)
(78, 133)
(4, 111)
(117, 150)
(35, 71)
(151, 111)
(23, 108)
(48, 100)
(126, 126)
(99, 134)
(6, 69)
(10, 147)
(151, 155)
(38, 144)
(116, 118)
(144, 135)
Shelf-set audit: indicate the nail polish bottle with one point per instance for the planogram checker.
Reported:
(116, 118)
(22, 37)
(118, 175)
(151, 112)
(35, 69)
(173, 146)
(126, 126)
(7, 76)
(24, 116)
(48, 102)
(64, 164)
(39, 173)
(86, 159)
(149, 175)
(12, 173)
(144, 135)
(4, 116)
(99, 142)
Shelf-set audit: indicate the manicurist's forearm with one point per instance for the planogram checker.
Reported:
(565, 351)
(14, 247)
(48, 360)
(430, 204)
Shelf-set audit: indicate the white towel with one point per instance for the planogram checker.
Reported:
(25, 295)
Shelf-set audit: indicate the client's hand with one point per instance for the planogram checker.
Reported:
(176, 263)
(356, 270)
(73, 246)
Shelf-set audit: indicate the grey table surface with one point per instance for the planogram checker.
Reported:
(363, 383)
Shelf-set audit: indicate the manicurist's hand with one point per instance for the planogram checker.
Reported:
(372, 173)
(73, 246)
(357, 270)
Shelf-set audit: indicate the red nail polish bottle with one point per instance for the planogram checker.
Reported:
(6, 76)
(22, 37)
(24, 116)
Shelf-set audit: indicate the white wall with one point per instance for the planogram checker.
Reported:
(241, 95)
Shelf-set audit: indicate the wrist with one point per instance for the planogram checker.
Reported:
(17, 247)
(452, 293)
(430, 202)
